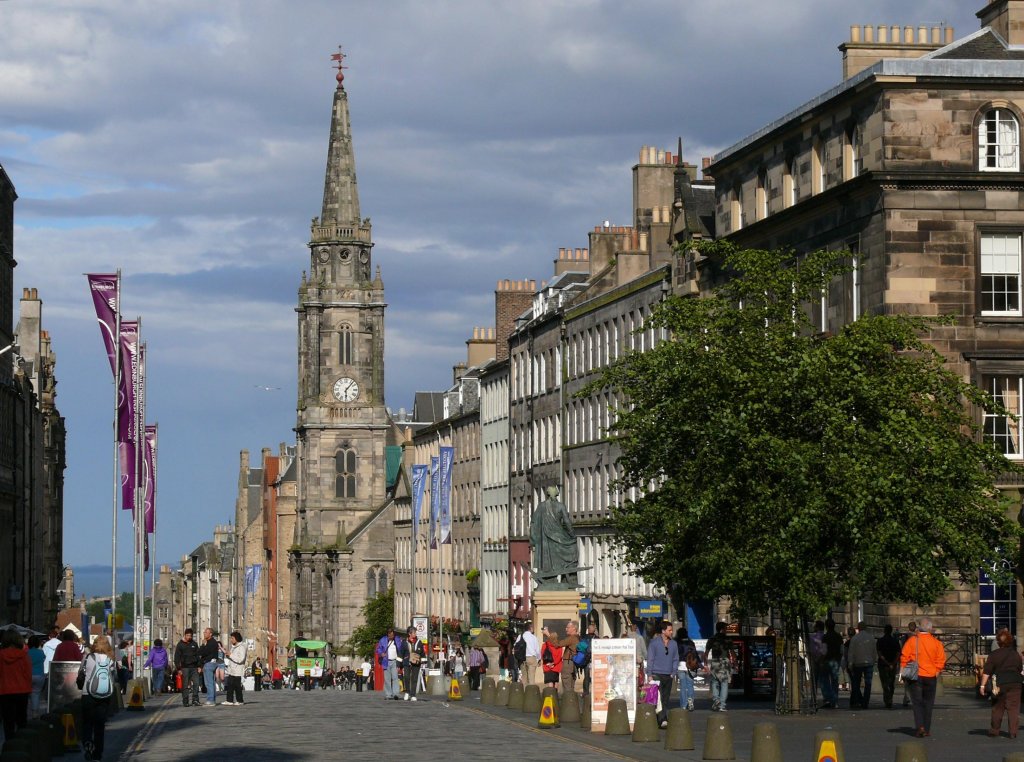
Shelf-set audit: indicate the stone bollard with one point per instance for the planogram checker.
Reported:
(617, 723)
(515, 696)
(548, 715)
(718, 739)
(680, 732)
(766, 746)
(487, 692)
(645, 727)
(828, 743)
(569, 707)
(531, 699)
(915, 751)
(464, 685)
(502, 693)
(586, 714)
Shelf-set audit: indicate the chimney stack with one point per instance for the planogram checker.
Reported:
(1005, 18)
(868, 45)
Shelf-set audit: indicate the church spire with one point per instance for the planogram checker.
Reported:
(341, 195)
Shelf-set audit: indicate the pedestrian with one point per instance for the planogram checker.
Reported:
(97, 677)
(551, 662)
(662, 664)
(717, 656)
(277, 678)
(188, 661)
(362, 675)
(888, 648)
(637, 635)
(531, 654)
(816, 656)
(911, 629)
(235, 660)
(458, 664)
(415, 653)
(586, 644)
(69, 649)
(689, 664)
(833, 642)
(389, 649)
(38, 658)
(476, 666)
(15, 681)
(568, 645)
(1002, 668)
(863, 652)
(158, 660)
(123, 667)
(257, 674)
(844, 664)
(209, 653)
(925, 649)
(49, 647)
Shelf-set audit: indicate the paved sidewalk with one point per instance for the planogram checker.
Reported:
(324, 725)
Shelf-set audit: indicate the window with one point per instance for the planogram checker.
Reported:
(852, 164)
(999, 141)
(790, 187)
(345, 345)
(997, 605)
(736, 207)
(1004, 430)
(1000, 274)
(345, 473)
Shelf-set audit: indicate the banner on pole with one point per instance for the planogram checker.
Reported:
(419, 482)
(150, 473)
(126, 412)
(447, 456)
(435, 499)
(106, 297)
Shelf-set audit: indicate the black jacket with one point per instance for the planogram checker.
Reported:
(210, 650)
(186, 654)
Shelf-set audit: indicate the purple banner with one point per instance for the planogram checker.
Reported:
(106, 297)
(445, 522)
(129, 378)
(126, 462)
(435, 499)
(150, 466)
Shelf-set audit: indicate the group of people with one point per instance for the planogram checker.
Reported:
(209, 662)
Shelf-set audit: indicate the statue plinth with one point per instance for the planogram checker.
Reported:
(553, 609)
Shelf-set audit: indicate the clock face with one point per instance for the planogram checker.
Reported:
(346, 389)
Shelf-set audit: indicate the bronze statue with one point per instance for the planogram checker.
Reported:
(555, 554)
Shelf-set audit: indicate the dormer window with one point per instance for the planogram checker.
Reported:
(999, 142)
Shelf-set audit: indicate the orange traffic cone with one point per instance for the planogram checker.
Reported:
(454, 691)
(549, 710)
(135, 696)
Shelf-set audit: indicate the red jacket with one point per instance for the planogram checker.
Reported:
(556, 654)
(15, 671)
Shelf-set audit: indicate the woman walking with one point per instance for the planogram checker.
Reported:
(38, 658)
(97, 692)
(925, 649)
(15, 682)
(235, 658)
(1003, 667)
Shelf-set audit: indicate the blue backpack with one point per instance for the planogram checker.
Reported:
(101, 684)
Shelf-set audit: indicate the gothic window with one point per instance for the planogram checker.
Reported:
(999, 141)
(345, 345)
(376, 581)
(345, 473)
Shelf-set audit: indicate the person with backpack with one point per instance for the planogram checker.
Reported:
(527, 653)
(718, 658)
(689, 665)
(97, 678)
(551, 662)
(583, 653)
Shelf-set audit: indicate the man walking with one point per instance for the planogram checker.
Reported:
(888, 648)
(830, 671)
(187, 661)
(662, 663)
(415, 653)
(717, 657)
(209, 653)
(389, 651)
(861, 661)
(532, 654)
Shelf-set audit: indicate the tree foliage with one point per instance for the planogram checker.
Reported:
(378, 615)
(796, 470)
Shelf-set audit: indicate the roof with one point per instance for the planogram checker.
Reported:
(428, 407)
(984, 45)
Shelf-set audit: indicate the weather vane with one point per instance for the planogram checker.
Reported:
(339, 57)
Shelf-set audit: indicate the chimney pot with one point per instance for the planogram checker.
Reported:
(908, 35)
(949, 35)
(936, 35)
(854, 33)
(922, 35)
(883, 34)
(869, 33)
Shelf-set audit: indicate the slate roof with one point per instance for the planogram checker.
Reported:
(428, 407)
(983, 45)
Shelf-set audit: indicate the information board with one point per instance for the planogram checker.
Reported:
(612, 676)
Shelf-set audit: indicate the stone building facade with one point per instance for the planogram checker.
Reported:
(912, 163)
(494, 455)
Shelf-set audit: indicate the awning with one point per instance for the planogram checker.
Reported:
(309, 645)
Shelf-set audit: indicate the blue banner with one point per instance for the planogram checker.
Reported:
(419, 481)
(447, 455)
(435, 499)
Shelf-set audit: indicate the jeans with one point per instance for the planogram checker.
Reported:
(828, 676)
(158, 681)
(391, 680)
(719, 692)
(922, 695)
(860, 677)
(685, 688)
(210, 679)
(38, 681)
(189, 685)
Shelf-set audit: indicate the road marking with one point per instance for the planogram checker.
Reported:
(548, 734)
(144, 732)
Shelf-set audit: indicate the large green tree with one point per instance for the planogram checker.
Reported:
(793, 470)
(378, 615)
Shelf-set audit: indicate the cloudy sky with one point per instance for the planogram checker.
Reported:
(184, 142)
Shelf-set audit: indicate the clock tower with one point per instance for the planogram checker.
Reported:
(342, 424)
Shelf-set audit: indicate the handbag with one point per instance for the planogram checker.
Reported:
(909, 673)
(652, 694)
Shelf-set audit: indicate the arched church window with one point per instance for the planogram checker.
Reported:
(345, 345)
(382, 580)
(345, 473)
(371, 583)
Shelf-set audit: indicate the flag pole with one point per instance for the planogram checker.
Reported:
(117, 391)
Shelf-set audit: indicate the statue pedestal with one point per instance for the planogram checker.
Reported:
(553, 609)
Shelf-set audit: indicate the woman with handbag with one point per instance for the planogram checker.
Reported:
(922, 659)
(1001, 679)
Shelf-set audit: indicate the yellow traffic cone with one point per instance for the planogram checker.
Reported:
(135, 696)
(454, 691)
(70, 731)
(549, 710)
